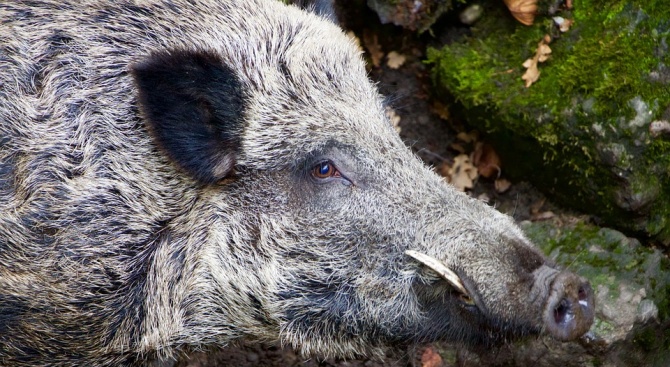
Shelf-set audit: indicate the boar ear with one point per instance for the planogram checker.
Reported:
(193, 104)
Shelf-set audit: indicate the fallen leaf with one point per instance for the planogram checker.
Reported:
(395, 60)
(356, 40)
(470, 137)
(542, 53)
(532, 73)
(444, 169)
(523, 10)
(486, 160)
(566, 26)
(484, 197)
(441, 110)
(430, 358)
(563, 24)
(508, 71)
(393, 118)
(463, 173)
(501, 185)
(536, 206)
(457, 147)
(542, 216)
(529, 63)
(371, 43)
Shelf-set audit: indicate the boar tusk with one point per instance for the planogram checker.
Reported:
(439, 268)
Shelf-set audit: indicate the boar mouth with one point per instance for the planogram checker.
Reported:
(440, 268)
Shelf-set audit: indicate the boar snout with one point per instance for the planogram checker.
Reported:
(570, 308)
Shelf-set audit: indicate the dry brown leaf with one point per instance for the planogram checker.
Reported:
(395, 60)
(444, 169)
(470, 137)
(532, 73)
(486, 160)
(536, 206)
(542, 53)
(563, 24)
(536, 213)
(371, 43)
(430, 358)
(542, 216)
(393, 118)
(441, 110)
(457, 147)
(501, 185)
(462, 173)
(566, 26)
(523, 10)
(356, 40)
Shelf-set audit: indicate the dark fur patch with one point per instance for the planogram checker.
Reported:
(7, 176)
(257, 310)
(448, 319)
(528, 259)
(12, 309)
(327, 305)
(194, 105)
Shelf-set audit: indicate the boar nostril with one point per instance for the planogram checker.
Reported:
(582, 295)
(562, 312)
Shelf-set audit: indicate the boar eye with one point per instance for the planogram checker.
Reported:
(324, 170)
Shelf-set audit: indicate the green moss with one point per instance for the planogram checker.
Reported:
(645, 339)
(655, 343)
(585, 120)
(663, 302)
(607, 258)
(602, 327)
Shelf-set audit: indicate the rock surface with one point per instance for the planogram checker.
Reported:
(592, 129)
(632, 285)
(411, 14)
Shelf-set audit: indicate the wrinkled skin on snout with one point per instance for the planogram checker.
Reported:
(179, 174)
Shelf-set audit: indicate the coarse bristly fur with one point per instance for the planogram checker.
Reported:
(176, 174)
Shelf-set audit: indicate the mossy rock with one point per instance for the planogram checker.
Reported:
(610, 260)
(632, 287)
(582, 131)
(410, 14)
(631, 283)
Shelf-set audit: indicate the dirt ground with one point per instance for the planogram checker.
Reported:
(430, 137)
(249, 355)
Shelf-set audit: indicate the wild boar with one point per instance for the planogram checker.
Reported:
(176, 174)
